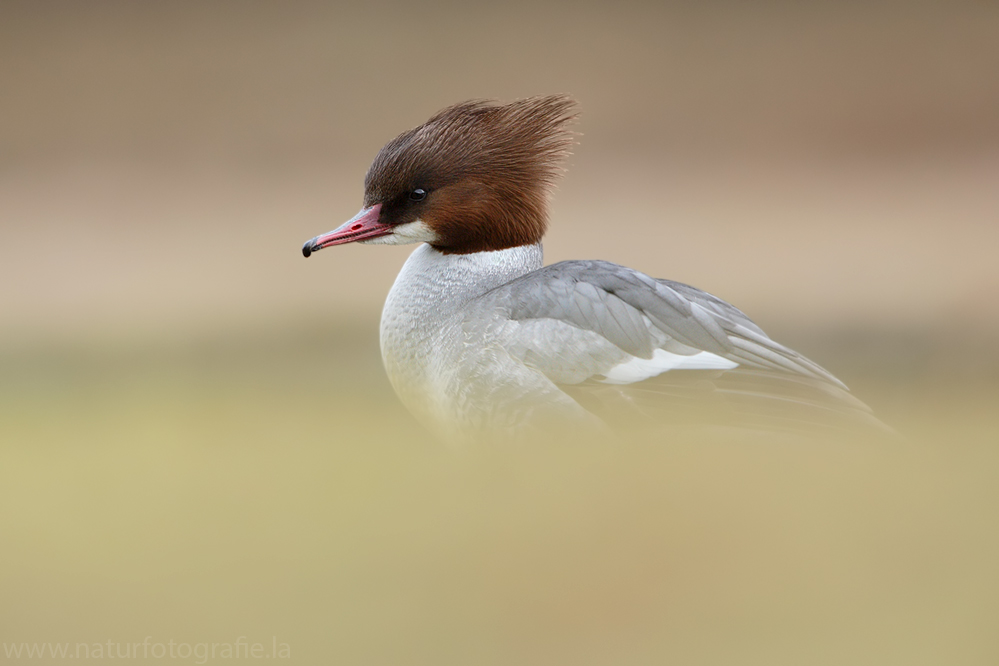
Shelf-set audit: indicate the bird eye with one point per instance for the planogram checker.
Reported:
(419, 194)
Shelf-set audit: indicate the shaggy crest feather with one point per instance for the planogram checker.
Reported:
(487, 168)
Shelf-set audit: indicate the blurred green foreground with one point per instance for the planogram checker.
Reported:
(272, 488)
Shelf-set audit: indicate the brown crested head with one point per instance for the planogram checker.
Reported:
(477, 174)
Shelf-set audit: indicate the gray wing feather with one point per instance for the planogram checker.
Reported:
(636, 314)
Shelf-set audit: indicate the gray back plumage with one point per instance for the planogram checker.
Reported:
(575, 321)
(640, 314)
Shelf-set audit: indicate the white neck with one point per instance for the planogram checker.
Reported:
(448, 281)
(423, 309)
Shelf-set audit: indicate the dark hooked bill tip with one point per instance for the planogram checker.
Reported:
(307, 248)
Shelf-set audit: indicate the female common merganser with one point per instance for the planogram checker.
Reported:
(479, 339)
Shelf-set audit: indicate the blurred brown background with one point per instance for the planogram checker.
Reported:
(197, 438)
(163, 162)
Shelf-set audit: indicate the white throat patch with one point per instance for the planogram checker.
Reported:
(416, 231)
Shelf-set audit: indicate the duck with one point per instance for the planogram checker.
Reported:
(481, 341)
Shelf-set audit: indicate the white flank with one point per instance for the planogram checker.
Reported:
(640, 369)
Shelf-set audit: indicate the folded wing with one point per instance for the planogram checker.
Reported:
(630, 347)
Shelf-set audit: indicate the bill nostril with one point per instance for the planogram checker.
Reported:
(356, 227)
